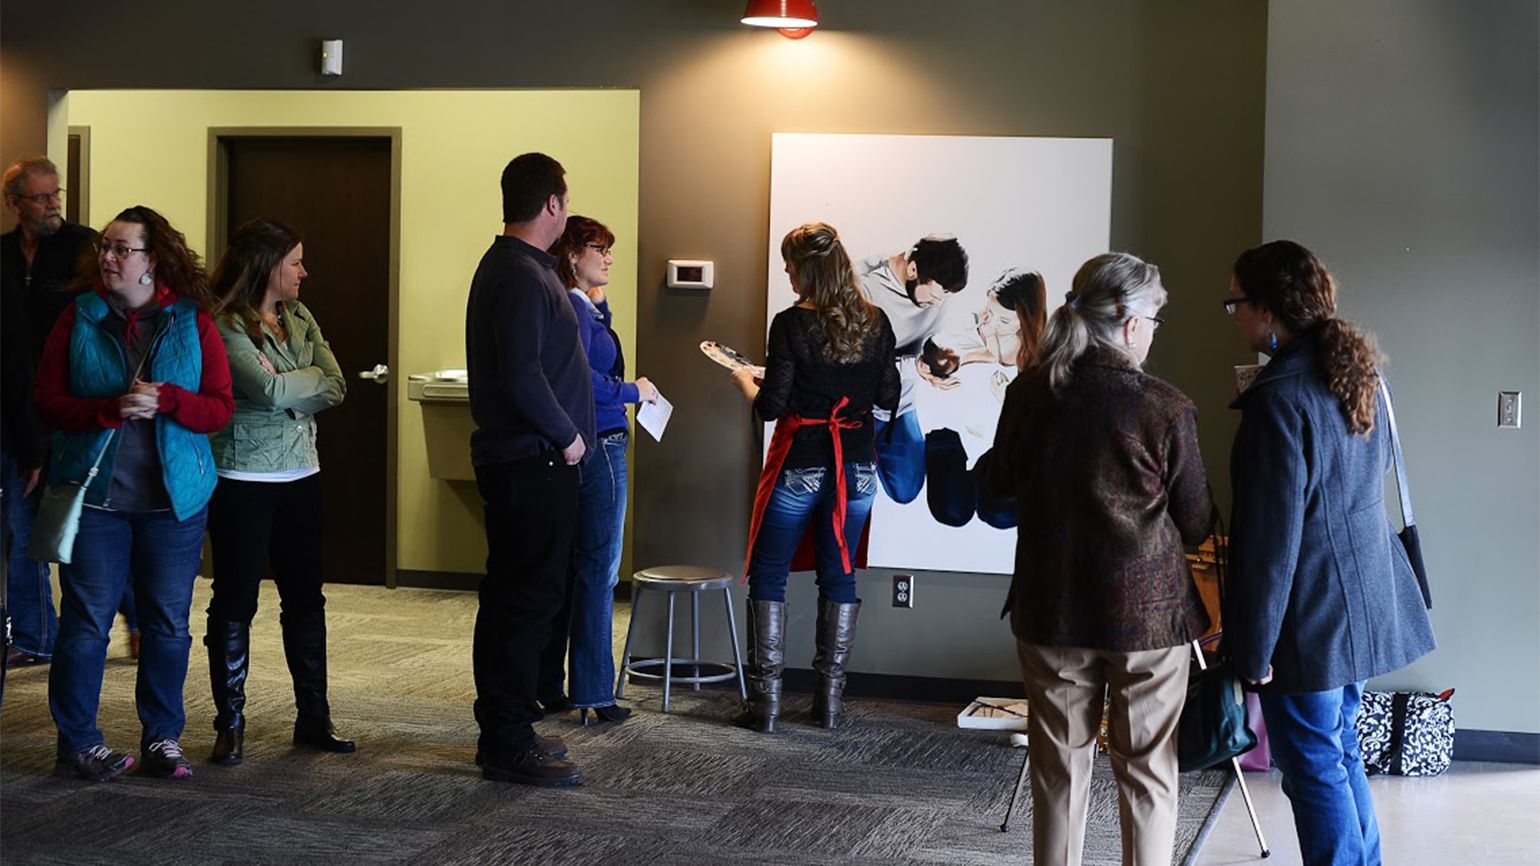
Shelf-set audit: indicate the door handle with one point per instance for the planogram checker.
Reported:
(380, 374)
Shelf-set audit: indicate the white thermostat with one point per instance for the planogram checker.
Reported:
(689, 274)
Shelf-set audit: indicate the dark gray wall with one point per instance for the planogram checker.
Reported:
(1403, 138)
(1178, 86)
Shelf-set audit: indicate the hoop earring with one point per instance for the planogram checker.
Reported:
(145, 279)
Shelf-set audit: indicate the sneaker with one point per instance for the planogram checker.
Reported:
(164, 758)
(97, 764)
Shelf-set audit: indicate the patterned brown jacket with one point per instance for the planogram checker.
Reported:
(1109, 485)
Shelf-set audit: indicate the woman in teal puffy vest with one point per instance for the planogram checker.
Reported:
(134, 375)
(284, 372)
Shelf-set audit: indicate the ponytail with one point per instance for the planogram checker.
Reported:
(1106, 291)
(1350, 360)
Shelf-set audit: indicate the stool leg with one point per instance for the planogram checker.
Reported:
(668, 655)
(625, 655)
(732, 632)
(695, 636)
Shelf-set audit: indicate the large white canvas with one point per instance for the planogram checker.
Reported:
(1043, 204)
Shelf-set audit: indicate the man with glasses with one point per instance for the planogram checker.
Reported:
(39, 260)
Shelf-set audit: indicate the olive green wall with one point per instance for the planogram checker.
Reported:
(1177, 84)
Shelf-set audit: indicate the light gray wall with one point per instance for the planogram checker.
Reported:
(1402, 146)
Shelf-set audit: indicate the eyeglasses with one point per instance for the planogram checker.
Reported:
(1231, 303)
(601, 250)
(1157, 320)
(44, 197)
(118, 250)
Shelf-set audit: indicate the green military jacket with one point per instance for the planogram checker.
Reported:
(273, 428)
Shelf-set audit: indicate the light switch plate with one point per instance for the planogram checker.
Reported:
(1510, 409)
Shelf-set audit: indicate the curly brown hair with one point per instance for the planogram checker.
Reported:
(1288, 281)
(826, 277)
(176, 266)
(581, 231)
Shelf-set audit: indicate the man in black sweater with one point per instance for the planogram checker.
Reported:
(38, 263)
(533, 404)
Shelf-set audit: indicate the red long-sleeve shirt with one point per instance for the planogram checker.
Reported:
(204, 411)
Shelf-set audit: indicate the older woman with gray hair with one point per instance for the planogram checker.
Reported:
(1102, 461)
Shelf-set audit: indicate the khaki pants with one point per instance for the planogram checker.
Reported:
(1065, 686)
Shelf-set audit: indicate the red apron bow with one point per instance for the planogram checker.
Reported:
(780, 446)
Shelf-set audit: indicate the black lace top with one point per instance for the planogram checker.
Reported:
(799, 380)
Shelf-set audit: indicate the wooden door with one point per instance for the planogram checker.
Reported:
(336, 191)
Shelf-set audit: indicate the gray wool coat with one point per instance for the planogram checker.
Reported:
(1319, 586)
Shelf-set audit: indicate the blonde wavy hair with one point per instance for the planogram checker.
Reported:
(825, 276)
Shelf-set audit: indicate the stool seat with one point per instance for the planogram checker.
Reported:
(672, 580)
(682, 578)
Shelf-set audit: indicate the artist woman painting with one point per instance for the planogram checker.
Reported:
(829, 361)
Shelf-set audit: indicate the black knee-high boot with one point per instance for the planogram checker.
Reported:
(229, 645)
(836, 633)
(304, 647)
(766, 663)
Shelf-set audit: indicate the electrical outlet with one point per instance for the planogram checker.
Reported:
(1510, 409)
(903, 590)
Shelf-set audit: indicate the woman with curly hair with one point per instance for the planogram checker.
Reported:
(133, 379)
(829, 361)
(1320, 595)
(267, 509)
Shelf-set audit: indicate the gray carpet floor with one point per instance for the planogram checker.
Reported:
(899, 785)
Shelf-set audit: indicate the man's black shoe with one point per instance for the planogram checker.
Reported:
(533, 767)
(553, 747)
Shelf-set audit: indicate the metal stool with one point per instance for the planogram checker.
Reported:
(672, 580)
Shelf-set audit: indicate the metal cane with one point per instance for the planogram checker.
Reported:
(1235, 767)
(1018, 741)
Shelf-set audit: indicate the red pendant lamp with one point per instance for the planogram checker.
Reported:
(794, 18)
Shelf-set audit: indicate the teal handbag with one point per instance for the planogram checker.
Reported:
(1213, 726)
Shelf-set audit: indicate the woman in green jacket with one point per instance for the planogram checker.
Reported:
(267, 508)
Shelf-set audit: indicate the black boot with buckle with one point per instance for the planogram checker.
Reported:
(765, 664)
(836, 633)
(229, 645)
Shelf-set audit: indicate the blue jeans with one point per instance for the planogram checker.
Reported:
(585, 622)
(801, 495)
(30, 595)
(127, 608)
(901, 456)
(162, 554)
(1314, 741)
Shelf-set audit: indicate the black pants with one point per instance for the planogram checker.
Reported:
(257, 524)
(531, 518)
